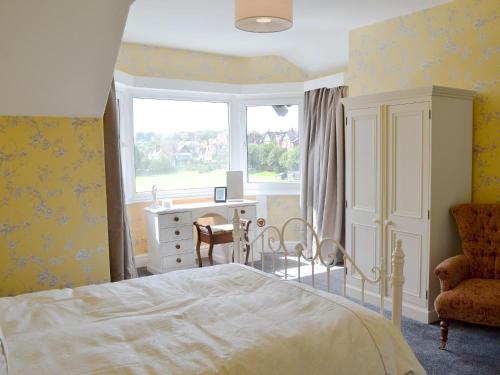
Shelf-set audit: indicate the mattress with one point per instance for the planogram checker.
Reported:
(228, 319)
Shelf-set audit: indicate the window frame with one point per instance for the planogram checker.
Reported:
(237, 132)
(270, 188)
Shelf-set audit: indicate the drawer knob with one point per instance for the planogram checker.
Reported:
(176, 218)
(177, 246)
(177, 232)
(178, 260)
(243, 212)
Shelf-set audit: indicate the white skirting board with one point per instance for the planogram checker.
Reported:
(141, 260)
(414, 312)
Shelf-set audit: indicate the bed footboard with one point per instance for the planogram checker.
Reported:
(271, 240)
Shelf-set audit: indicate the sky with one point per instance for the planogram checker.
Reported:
(171, 116)
(264, 118)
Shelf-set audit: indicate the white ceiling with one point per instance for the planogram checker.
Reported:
(317, 43)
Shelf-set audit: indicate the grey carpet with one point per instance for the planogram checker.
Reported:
(471, 349)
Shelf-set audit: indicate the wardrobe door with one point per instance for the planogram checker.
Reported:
(363, 203)
(407, 200)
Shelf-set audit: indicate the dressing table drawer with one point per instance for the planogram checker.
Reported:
(244, 212)
(170, 262)
(176, 247)
(175, 219)
(174, 234)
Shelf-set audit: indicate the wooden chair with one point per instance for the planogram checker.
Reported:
(217, 235)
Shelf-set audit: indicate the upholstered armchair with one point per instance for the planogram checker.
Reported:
(470, 282)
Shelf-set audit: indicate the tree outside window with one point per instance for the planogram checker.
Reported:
(273, 143)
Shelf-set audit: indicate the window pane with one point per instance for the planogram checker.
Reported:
(180, 144)
(273, 143)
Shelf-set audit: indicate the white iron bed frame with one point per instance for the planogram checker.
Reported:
(396, 279)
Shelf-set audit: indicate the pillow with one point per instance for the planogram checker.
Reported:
(3, 355)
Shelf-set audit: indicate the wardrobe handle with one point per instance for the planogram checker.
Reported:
(177, 232)
(178, 260)
(177, 246)
(176, 218)
(388, 222)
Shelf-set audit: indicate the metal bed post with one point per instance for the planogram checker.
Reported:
(236, 237)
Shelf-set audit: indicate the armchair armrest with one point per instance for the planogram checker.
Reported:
(452, 271)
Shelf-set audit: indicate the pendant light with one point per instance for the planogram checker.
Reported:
(263, 16)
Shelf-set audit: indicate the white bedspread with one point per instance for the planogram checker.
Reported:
(228, 319)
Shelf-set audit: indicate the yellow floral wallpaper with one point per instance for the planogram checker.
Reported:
(53, 227)
(151, 61)
(456, 44)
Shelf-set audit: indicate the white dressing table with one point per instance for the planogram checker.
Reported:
(170, 231)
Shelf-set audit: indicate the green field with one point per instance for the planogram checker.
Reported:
(193, 179)
(264, 176)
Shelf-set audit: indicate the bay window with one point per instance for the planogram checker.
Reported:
(184, 142)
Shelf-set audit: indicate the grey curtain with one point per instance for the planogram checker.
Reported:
(121, 253)
(322, 182)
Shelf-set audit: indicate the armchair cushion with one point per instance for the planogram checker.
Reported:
(473, 300)
(452, 271)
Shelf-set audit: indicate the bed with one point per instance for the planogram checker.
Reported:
(227, 319)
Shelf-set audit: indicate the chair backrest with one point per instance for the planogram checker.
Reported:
(479, 230)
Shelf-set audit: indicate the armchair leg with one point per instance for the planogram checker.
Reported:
(444, 334)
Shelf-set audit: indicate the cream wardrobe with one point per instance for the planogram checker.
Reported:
(408, 160)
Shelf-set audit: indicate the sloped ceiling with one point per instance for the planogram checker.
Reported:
(57, 56)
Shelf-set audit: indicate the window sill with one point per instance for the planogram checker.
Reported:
(273, 189)
(250, 190)
(172, 195)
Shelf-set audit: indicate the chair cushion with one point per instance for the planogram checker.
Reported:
(218, 228)
(222, 228)
(473, 300)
